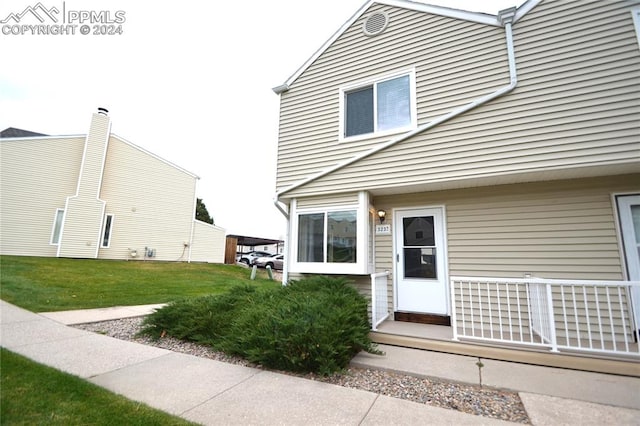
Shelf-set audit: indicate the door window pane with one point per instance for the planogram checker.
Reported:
(341, 238)
(418, 231)
(393, 98)
(359, 115)
(311, 237)
(420, 263)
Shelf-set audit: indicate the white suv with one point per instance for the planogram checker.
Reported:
(248, 258)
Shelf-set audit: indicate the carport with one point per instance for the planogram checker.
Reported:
(235, 241)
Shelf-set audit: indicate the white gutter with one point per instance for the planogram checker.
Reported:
(276, 202)
(505, 18)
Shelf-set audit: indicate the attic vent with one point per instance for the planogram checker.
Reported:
(375, 24)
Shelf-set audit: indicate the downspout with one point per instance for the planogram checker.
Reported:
(285, 264)
(193, 221)
(505, 17)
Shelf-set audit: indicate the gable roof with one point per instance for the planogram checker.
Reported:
(12, 132)
(481, 18)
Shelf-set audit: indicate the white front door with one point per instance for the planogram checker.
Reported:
(421, 282)
(629, 211)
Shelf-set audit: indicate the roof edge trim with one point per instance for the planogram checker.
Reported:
(79, 135)
(285, 86)
(478, 17)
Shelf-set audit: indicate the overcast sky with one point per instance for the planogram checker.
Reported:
(189, 81)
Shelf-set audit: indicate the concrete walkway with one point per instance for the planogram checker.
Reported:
(211, 392)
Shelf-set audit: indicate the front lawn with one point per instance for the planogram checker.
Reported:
(34, 394)
(42, 284)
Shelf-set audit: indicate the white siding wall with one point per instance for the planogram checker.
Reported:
(152, 203)
(208, 243)
(33, 184)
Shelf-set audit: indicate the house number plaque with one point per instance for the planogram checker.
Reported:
(384, 229)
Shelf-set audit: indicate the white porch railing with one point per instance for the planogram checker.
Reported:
(575, 315)
(379, 299)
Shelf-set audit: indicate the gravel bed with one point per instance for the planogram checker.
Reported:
(488, 402)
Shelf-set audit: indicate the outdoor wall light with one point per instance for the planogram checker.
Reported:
(381, 215)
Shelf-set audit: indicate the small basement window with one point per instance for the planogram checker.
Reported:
(57, 227)
(106, 235)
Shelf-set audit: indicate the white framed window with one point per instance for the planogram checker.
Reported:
(332, 240)
(379, 106)
(328, 236)
(56, 231)
(106, 233)
(635, 13)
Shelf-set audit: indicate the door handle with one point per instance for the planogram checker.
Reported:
(397, 257)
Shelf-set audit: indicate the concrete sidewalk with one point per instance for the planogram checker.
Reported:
(212, 392)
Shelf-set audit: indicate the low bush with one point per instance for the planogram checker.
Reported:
(312, 325)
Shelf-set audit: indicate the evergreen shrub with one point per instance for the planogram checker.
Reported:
(315, 325)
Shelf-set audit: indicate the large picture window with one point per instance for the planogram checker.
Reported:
(331, 236)
(379, 106)
(327, 237)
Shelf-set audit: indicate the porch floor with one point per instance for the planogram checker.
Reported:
(440, 339)
(413, 329)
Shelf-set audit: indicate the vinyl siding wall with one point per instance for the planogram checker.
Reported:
(152, 203)
(446, 53)
(576, 106)
(33, 187)
(208, 243)
(561, 230)
(327, 202)
(564, 230)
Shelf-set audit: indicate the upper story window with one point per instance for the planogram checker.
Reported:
(373, 108)
(635, 13)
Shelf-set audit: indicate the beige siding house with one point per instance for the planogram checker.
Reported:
(488, 168)
(99, 196)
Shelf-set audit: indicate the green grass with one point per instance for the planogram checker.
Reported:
(42, 284)
(34, 394)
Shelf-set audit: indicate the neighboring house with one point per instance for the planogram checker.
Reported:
(99, 196)
(502, 152)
